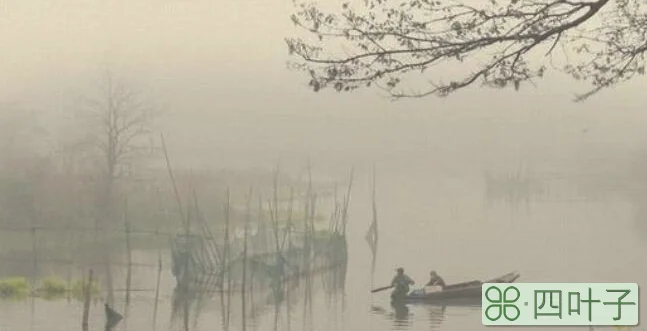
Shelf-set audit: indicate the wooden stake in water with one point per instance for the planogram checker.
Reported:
(86, 302)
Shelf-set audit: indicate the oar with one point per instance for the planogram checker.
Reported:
(381, 289)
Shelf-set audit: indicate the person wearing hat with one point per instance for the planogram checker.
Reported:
(401, 283)
(435, 280)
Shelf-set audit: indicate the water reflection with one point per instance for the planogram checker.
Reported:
(263, 299)
(280, 305)
(436, 316)
(399, 314)
(402, 317)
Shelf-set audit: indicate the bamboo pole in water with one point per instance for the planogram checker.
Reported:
(175, 189)
(86, 302)
(275, 211)
(346, 201)
(287, 279)
(213, 253)
(223, 308)
(255, 245)
(373, 230)
(186, 312)
(128, 254)
(34, 253)
(287, 302)
(306, 214)
(306, 243)
(32, 301)
(159, 261)
(288, 228)
(186, 276)
(244, 280)
(276, 315)
(311, 247)
(71, 242)
(334, 219)
(228, 260)
(279, 276)
(275, 226)
(159, 278)
(187, 227)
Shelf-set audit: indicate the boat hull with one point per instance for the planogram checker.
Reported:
(462, 294)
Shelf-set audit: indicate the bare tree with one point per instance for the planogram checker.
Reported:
(388, 44)
(118, 123)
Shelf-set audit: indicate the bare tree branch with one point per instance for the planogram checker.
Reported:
(392, 43)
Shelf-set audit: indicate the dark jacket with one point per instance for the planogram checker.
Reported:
(436, 281)
(402, 281)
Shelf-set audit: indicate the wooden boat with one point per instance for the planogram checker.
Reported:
(466, 293)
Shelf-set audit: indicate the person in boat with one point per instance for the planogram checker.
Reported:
(401, 283)
(435, 280)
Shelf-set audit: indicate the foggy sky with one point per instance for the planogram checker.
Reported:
(218, 69)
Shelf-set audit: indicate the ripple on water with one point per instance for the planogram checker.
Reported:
(402, 317)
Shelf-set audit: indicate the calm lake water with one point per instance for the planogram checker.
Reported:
(441, 223)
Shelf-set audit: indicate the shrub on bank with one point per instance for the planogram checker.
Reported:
(14, 287)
